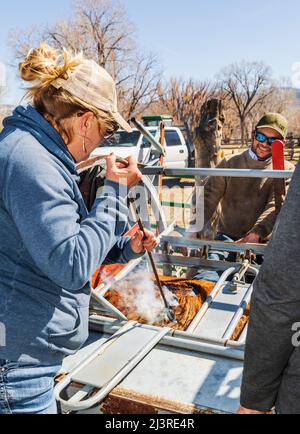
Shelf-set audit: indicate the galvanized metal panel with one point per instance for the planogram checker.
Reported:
(189, 379)
(220, 313)
(108, 364)
(182, 377)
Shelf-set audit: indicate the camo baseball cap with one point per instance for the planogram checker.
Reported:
(93, 85)
(275, 121)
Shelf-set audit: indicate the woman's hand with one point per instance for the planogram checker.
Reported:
(129, 176)
(140, 244)
(184, 251)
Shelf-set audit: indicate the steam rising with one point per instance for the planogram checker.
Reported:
(138, 291)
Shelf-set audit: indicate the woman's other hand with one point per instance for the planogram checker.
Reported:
(128, 176)
(141, 243)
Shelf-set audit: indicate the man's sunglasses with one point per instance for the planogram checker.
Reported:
(261, 138)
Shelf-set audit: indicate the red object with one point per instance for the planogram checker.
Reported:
(278, 155)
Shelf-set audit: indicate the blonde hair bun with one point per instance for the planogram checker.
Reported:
(44, 64)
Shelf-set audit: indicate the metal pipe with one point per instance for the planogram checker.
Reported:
(108, 325)
(185, 335)
(242, 271)
(102, 346)
(187, 342)
(238, 315)
(246, 300)
(108, 387)
(110, 307)
(210, 299)
(233, 173)
(90, 162)
(155, 143)
(255, 270)
(181, 261)
(200, 347)
(258, 249)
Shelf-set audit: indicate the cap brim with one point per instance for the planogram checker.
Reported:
(121, 121)
(272, 128)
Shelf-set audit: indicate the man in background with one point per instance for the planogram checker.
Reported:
(242, 209)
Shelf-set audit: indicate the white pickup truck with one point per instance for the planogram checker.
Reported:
(135, 144)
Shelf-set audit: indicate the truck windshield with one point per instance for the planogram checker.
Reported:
(122, 139)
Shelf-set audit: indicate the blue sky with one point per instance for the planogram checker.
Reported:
(194, 38)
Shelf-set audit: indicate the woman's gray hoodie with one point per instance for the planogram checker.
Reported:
(49, 244)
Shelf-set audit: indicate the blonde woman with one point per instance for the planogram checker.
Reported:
(49, 244)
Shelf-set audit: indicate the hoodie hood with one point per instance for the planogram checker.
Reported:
(28, 119)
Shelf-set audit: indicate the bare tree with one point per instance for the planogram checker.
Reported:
(294, 123)
(102, 31)
(21, 41)
(247, 85)
(281, 100)
(143, 90)
(184, 99)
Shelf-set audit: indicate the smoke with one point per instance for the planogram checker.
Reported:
(139, 293)
(170, 297)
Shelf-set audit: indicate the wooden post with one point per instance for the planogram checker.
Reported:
(162, 159)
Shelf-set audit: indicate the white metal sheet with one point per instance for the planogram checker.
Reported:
(180, 376)
(108, 364)
(188, 379)
(220, 313)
